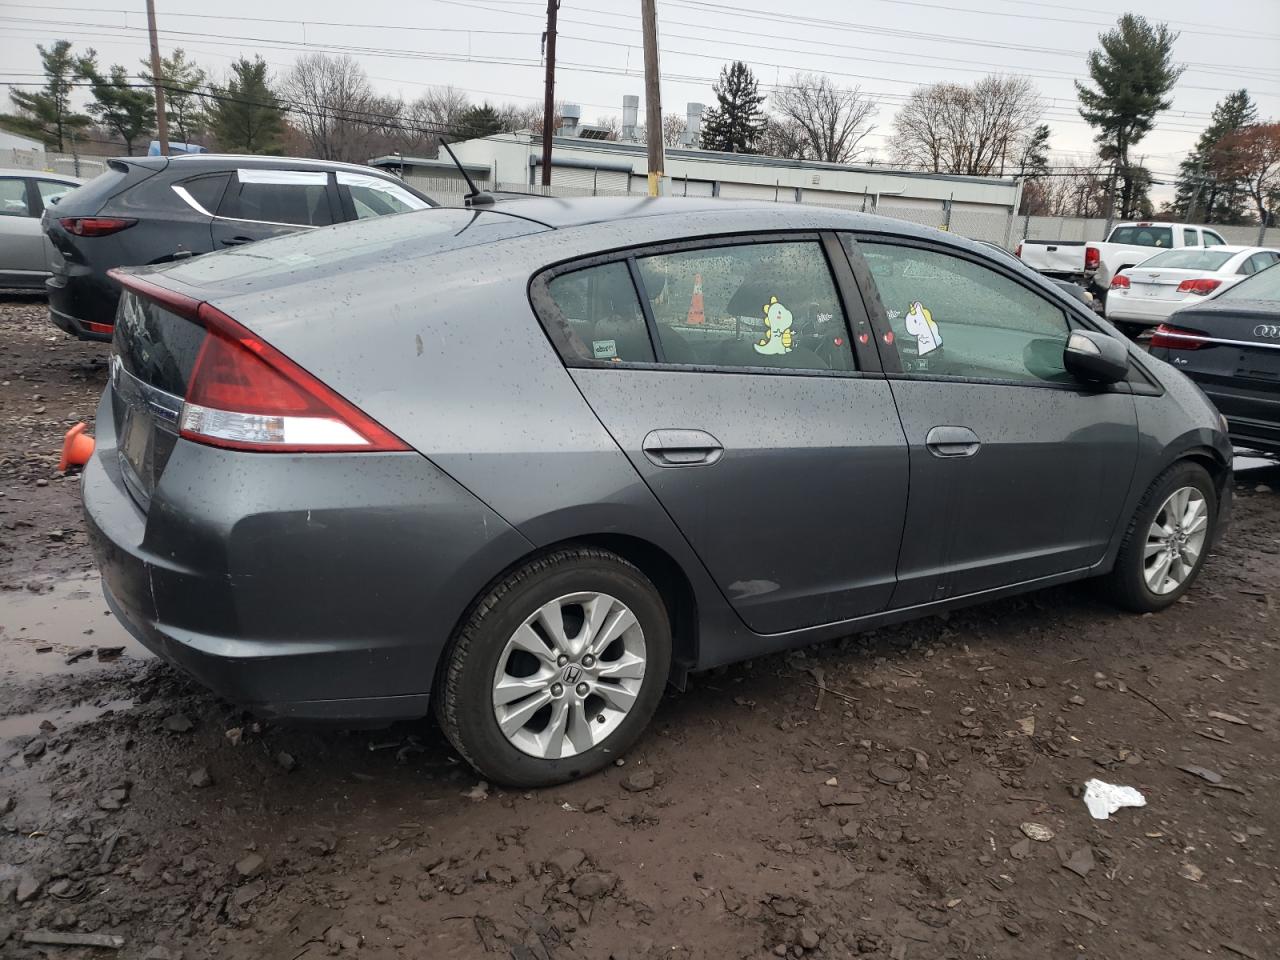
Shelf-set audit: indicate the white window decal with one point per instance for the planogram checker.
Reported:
(604, 349)
(297, 178)
(920, 325)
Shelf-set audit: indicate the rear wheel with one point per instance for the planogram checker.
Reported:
(557, 670)
(1167, 540)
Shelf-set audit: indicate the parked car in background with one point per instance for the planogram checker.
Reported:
(527, 463)
(1230, 346)
(1144, 296)
(1069, 287)
(25, 253)
(147, 210)
(1126, 245)
(1129, 244)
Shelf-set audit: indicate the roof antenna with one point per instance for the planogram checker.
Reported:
(476, 195)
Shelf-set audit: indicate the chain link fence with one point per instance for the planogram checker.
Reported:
(1000, 228)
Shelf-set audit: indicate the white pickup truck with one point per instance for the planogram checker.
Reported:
(1127, 245)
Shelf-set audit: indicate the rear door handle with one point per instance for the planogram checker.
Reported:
(235, 241)
(952, 442)
(681, 448)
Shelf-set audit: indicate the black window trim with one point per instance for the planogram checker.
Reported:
(850, 300)
(1072, 311)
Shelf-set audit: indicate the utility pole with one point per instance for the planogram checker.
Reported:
(652, 97)
(162, 122)
(549, 96)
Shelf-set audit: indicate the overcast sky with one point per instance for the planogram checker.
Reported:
(490, 48)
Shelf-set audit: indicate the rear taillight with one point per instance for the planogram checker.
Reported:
(95, 226)
(1200, 287)
(244, 394)
(1092, 257)
(1175, 338)
(1120, 282)
(1017, 251)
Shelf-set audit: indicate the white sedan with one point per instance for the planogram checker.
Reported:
(1145, 295)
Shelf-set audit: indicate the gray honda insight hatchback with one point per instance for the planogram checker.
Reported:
(528, 462)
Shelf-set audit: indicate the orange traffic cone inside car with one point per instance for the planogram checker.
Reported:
(77, 447)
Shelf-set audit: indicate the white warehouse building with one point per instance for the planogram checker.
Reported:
(584, 163)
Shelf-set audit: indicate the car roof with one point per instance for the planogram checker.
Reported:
(39, 174)
(199, 162)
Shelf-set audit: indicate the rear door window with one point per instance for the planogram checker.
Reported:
(1189, 238)
(1143, 236)
(298, 197)
(760, 305)
(13, 197)
(375, 197)
(1211, 239)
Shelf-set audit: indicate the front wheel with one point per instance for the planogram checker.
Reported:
(1167, 540)
(557, 669)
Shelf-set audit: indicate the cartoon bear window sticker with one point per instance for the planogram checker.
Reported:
(921, 326)
(777, 323)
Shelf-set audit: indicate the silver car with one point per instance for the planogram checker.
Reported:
(25, 252)
(527, 463)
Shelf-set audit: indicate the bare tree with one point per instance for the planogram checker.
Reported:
(782, 138)
(1080, 191)
(673, 127)
(433, 116)
(976, 130)
(332, 103)
(827, 122)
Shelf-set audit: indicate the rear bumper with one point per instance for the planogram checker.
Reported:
(316, 587)
(1147, 311)
(79, 299)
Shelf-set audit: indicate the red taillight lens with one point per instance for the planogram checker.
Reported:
(1017, 251)
(1120, 282)
(1092, 257)
(95, 226)
(1200, 287)
(244, 394)
(1175, 338)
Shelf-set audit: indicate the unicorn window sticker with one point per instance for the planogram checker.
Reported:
(921, 326)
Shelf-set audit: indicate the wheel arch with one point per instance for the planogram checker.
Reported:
(658, 565)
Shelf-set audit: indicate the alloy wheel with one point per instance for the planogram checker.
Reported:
(1175, 540)
(569, 675)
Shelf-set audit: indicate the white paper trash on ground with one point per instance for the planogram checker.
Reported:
(1104, 799)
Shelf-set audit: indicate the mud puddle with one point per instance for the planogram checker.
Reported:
(39, 633)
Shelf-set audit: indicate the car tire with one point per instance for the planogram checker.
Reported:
(507, 659)
(1133, 583)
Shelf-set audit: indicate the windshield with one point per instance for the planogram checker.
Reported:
(1138, 235)
(1192, 259)
(1263, 285)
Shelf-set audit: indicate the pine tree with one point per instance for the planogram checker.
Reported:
(1132, 75)
(246, 116)
(734, 125)
(1033, 169)
(183, 81)
(1207, 190)
(126, 110)
(477, 122)
(47, 115)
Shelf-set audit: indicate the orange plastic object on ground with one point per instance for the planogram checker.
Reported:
(696, 314)
(77, 447)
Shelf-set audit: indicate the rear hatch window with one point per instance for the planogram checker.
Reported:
(152, 355)
(92, 196)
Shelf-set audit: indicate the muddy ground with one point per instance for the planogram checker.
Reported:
(887, 817)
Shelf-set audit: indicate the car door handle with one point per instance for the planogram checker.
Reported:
(235, 241)
(952, 442)
(681, 448)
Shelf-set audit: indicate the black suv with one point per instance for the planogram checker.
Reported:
(146, 210)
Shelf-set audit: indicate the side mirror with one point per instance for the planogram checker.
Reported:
(1095, 357)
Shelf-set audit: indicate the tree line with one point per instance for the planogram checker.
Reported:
(325, 106)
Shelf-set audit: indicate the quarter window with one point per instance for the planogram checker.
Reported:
(13, 197)
(207, 191)
(374, 197)
(761, 305)
(278, 196)
(952, 317)
(599, 315)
